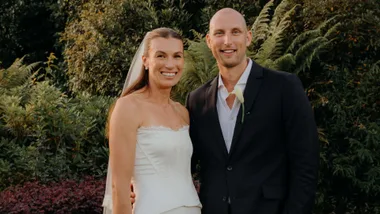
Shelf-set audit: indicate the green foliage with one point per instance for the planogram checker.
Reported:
(350, 162)
(249, 9)
(17, 163)
(63, 137)
(271, 47)
(101, 43)
(270, 33)
(343, 89)
(316, 12)
(17, 74)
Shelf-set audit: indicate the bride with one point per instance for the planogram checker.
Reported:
(149, 142)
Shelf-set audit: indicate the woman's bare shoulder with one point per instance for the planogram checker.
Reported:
(128, 107)
(183, 111)
(130, 101)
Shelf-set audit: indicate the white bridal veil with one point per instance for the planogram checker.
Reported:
(134, 72)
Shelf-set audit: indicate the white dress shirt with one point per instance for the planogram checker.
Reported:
(227, 116)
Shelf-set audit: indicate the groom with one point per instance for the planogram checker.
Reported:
(260, 159)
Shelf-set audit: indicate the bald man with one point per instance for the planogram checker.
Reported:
(260, 154)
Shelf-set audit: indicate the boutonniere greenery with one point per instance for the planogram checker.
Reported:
(239, 95)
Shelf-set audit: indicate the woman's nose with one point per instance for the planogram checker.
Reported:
(170, 63)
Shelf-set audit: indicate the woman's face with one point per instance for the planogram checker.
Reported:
(165, 61)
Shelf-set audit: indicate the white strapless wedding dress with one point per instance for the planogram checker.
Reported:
(162, 178)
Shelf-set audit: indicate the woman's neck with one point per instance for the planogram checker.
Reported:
(158, 95)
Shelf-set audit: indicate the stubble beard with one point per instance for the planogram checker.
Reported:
(233, 63)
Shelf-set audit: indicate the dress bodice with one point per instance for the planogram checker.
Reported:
(162, 179)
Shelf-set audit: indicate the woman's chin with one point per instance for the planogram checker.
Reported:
(165, 83)
(169, 84)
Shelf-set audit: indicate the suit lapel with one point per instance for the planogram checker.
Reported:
(211, 96)
(250, 93)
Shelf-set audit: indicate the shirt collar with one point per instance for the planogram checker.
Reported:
(243, 78)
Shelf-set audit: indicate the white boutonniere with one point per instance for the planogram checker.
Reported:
(239, 95)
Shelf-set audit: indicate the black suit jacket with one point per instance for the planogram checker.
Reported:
(272, 165)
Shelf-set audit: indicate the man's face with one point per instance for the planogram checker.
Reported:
(228, 39)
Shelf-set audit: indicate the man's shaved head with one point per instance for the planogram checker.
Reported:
(228, 38)
(227, 12)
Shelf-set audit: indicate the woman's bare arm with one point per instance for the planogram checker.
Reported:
(124, 123)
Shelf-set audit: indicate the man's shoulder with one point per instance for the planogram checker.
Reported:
(266, 72)
(277, 73)
(201, 89)
(283, 78)
(278, 76)
(197, 97)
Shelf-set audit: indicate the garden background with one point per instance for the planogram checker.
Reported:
(63, 63)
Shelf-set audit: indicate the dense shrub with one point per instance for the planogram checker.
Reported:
(344, 92)
(17, 163)
(47, 135)
(66, 196)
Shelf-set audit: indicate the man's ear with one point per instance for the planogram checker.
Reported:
(208, 40)
(249, 38)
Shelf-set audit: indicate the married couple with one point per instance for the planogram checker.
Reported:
(258, 153)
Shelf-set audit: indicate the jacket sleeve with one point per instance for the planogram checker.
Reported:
(194, 158)
(302, 147)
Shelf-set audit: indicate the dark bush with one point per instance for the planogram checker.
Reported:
(66, 196)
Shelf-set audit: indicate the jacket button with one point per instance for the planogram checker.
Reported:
(229, 168)
(224, 198)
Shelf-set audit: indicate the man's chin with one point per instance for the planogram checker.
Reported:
(229, 64)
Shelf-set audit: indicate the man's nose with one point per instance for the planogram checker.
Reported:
(227, 40)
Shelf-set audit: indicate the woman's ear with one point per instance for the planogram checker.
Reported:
(145, 62)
